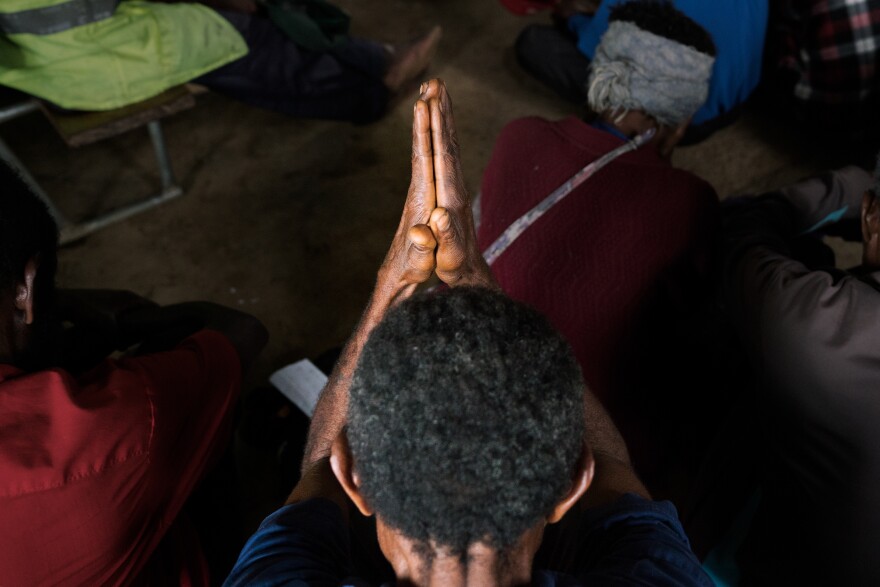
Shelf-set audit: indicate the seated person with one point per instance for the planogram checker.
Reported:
(560, 56)
(822, 66)
(98, 459)
(812, 333)
(461, 422)
(620, 265)
(123, 53)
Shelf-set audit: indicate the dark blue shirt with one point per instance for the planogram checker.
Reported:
(632, 541)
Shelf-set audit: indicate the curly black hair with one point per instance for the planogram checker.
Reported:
(662, 18)
(466, 419)
(26, 230)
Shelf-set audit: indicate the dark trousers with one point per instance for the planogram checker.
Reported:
(344, 83)
(550, 55)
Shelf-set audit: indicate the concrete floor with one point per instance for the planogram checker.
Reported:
(289, 219)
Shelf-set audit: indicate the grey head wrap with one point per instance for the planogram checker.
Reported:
(634, 69)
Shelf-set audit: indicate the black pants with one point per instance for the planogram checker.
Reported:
(550, 54)
(344, 83)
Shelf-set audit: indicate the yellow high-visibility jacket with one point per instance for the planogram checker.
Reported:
(103, 54)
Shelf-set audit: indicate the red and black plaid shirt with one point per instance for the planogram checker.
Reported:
(832, 46)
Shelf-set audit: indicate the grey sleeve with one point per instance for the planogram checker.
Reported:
(828, 197)
(783, 310)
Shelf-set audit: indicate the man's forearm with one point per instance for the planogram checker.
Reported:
(828, 197)
(773, 220)
(330, 413)
(614, 472)
(410, 262)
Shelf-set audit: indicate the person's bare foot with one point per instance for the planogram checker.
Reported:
(409, 60)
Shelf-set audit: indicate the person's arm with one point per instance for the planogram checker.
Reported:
(614, 475)
(459, 262)
(773, 220)
(105, 320)
(760, 275)
(410, 261)
(828, 198)
(91, 324)
(161, 328)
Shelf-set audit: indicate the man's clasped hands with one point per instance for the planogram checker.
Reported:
(436, 232)
(436, 235)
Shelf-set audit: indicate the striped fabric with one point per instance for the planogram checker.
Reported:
(54, 18)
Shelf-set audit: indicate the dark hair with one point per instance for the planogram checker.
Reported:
(663, 19)
(26, 230)
(466, 419)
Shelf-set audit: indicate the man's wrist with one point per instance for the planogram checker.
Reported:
(479, 275)
(390, 288)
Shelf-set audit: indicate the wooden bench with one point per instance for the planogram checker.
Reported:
(78, 129)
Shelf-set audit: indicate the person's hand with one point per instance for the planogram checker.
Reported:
(410, 259)
(413, 256)
(459, 260)
(408, 263)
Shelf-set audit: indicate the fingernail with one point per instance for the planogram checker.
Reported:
(423, 87)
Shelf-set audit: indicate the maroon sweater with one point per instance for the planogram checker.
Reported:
(615, 266)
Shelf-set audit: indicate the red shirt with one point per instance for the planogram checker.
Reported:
(94, 469)
(624, 252)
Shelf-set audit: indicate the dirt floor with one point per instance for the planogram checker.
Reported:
(289, 219)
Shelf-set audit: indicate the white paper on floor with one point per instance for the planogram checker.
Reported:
(301, 383)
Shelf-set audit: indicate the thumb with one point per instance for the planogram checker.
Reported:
(443, 228)
(420, 252)
(450, 251)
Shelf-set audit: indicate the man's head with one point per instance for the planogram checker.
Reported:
(28, 258)
(653, 60)
(466, 421)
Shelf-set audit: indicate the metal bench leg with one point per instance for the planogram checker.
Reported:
(161, 151)
(71, 232)
(170, 190)
(7, 155)
(20, 109)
